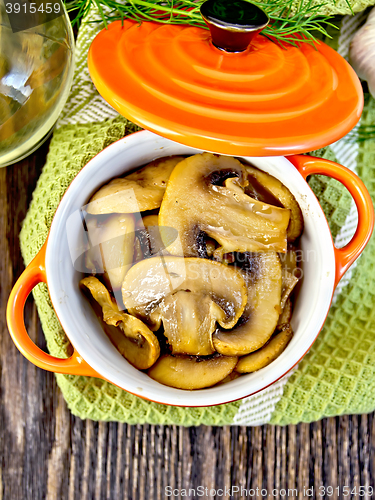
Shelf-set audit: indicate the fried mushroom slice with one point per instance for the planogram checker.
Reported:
(262, 275)
(232, 376)
(259, 359)
(189, 373)
(148, 234)
(205, 196)
(189, 319)
(137, 192)
(286, 314)
(289, 281)
(138, 254)
(113, 246)
(289, 259)
(289, 275)
(266, 188)
(137, 344)
(151, 289)
(150, 280)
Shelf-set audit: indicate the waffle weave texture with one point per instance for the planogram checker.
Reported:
(341, 7)
(337, 376)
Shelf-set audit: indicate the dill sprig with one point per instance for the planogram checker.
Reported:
(288, 21)
(365, 132)
(361, 133)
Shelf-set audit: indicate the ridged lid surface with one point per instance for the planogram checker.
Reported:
(264, 101)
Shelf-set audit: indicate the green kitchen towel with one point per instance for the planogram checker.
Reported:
(338, 374)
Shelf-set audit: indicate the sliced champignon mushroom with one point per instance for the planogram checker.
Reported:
(151, 289)
(93, 256)
(289, 259)
(289, 281)
(205, 197)
(137, 343)
(138, 254)
(189, 320)
(259, 359)
(113, 246)
(148, 221)
(232, 376)
(266, 188)
(188, 372)
(148, 234)
(286, 314)
(289, 274)
(137, 192)
(262, 275)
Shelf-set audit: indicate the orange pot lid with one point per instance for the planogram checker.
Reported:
(265, 100)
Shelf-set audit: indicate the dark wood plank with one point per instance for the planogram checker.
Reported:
(46, 453)
(316, 464)
(22, 409)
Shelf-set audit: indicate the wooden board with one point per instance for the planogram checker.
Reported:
(46, 453)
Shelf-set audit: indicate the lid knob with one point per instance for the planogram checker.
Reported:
(233, 23)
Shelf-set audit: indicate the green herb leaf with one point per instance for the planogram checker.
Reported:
(361, 133)
(290, 22)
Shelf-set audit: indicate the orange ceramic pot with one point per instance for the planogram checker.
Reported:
(94, 355)
(256, 101)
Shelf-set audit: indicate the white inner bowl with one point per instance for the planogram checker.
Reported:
(83, 327)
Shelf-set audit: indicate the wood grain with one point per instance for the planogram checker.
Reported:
(46, 453)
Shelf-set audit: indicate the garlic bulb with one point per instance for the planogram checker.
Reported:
(362, 52)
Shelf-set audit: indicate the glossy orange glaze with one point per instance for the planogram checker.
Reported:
(308, 165)
(264, 101)
(35, 273)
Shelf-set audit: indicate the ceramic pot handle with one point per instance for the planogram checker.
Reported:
(33, 274)
(308, 165)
